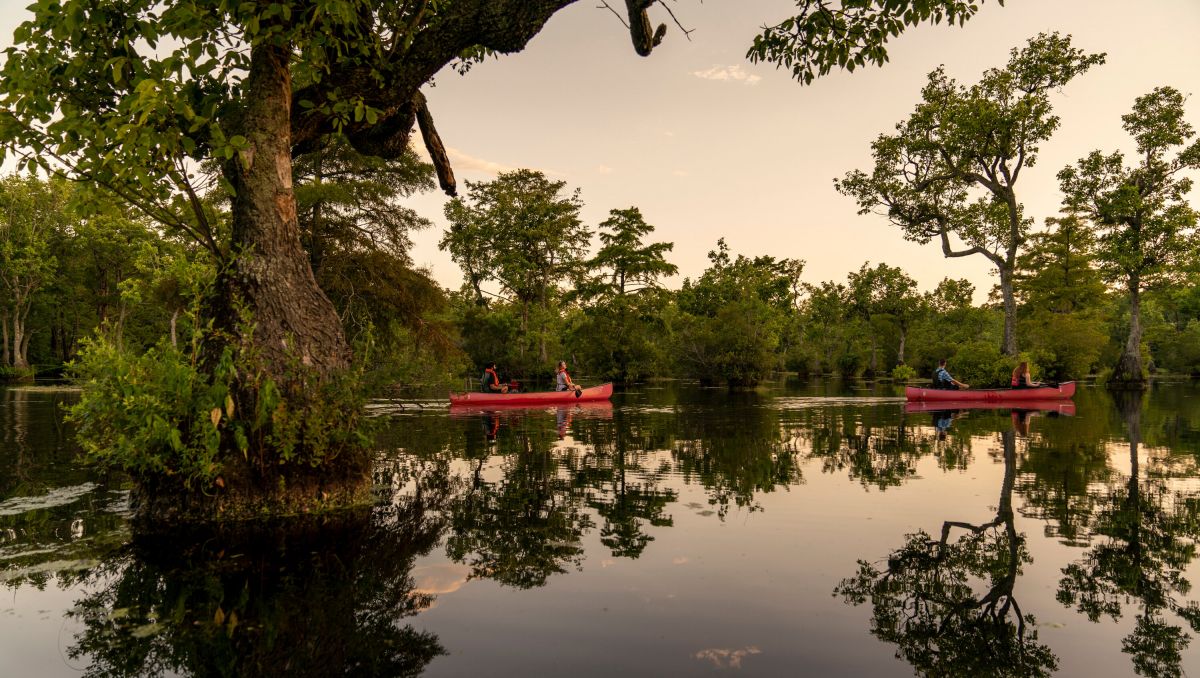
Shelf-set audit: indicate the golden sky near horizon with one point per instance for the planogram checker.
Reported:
(710, 146)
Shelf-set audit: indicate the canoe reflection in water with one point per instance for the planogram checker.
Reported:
(492, 415)
(946, 411)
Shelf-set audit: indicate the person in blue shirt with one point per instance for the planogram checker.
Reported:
(943, 380)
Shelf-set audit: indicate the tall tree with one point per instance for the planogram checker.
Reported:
(625, 264)
(734, 316)
(952, 167)
(348, 202)
(1058, 272)
(622, 297)
(887, 293)
(31, 210)
(1063, 300)
(1143, 221)
(522, 232)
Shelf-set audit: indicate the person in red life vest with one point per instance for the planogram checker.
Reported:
(491, 381)
(563, 380)
(1022, 379)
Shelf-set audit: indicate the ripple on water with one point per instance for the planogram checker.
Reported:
(59, 496)
(808, 402)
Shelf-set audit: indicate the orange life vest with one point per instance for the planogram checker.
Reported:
(495, 379)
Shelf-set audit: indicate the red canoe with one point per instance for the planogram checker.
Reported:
(997, 395)
(601, 392)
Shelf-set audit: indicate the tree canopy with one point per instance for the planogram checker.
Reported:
(1145, 225)
(950, 170)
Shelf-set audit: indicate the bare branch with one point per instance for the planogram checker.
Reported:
(604, 5)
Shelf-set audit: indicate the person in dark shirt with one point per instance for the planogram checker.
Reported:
(1021, 378)
(490, 383)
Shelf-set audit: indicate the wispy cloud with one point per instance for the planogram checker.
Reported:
(464, 162)
(733, 73)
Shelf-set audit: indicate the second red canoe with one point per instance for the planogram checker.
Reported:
(1063, 391)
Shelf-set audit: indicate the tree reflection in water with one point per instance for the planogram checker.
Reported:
(1146, 530)
(294, 599)
(949, 605)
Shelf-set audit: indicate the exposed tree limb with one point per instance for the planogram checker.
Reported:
(644, 41)
(433, 144)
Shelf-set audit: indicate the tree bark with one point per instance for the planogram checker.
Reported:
(19, 360)
(292, 320)
(5, 355)
(23, 351)
(1128, 371)
(900, 351)
(1009, 345)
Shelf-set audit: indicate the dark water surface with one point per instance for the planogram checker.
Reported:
(816, 530)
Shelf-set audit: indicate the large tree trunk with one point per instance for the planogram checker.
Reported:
(1009, 345)
(1128, 371)
(874, 366)
(294, 323)
(900, 350)
(267, 304)
(19, 342)
(5, 355)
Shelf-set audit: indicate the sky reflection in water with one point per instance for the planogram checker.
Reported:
(679, 531)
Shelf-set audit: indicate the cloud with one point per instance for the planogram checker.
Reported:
(604, 169)
(680, 173)
(733, 73)
(461, 161)
(679, 561)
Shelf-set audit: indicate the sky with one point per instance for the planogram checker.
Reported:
(708, 145)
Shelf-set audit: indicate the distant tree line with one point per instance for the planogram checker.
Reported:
(745, 318)
(1111, 286)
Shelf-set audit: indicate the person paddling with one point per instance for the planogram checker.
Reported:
(1021, 378)
(491, 381)
(943, 380)
(563, 380)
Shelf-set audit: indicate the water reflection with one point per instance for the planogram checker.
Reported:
(324, 597)
(693, 506)
(950, 605)
(1144, 533)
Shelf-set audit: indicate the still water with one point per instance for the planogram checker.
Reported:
(805, 529)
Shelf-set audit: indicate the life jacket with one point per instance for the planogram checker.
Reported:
(484, 383)
(564, 380)
(1016, 380)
